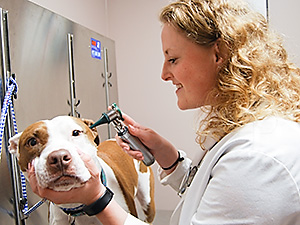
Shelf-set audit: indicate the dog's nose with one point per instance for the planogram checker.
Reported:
(59, 159)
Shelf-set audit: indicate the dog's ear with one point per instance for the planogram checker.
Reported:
(14, 145)
(94, 130)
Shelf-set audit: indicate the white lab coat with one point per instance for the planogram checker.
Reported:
(251, 176)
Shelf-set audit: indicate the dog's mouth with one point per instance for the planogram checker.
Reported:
(65, 182)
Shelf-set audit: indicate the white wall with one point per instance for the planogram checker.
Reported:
(134, 26)
(259, 5)
(284, 17)
(89, 13)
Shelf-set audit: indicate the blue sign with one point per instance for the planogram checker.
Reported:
(95, 48)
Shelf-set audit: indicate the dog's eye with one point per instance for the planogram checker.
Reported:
(32, 142)
(76, 133)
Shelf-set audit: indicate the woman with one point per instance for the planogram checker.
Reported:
(223, 59)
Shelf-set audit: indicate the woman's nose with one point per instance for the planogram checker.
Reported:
(165, 73)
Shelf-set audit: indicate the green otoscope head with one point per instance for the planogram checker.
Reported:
(103, 119)
(109, 116)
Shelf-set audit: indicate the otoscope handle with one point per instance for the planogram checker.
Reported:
(136, 144)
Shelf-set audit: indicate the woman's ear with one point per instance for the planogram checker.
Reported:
(220, 52)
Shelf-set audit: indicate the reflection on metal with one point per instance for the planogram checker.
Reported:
(71, 73)
(267, 10)
(107, 84)
(73, 102)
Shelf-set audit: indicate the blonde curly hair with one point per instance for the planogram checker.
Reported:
(257, 80)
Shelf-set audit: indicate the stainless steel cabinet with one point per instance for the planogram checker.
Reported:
(61, 68)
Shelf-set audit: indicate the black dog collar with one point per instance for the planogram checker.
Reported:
(78, 211)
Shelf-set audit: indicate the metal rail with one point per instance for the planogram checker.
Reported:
(106, 83)
(71, 75)
(8, 131)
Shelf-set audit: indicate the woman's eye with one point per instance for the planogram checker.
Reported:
(32, 142)
(172, 60)
(76, 133)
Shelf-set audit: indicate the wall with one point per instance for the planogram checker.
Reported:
(134, 26)
(142, 93)
(89, 13)
(284, 17)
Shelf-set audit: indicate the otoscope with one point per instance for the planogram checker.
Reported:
(115, 116)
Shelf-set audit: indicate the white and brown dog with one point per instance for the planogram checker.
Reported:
(52, 146)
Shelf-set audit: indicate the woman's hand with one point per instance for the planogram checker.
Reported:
(86, 194)
(163, 151)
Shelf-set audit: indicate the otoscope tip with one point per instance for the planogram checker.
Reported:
(104, 119)
(92, 126)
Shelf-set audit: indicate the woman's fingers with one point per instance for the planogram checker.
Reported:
(129, 121)
(135, 154)
(32, 178)
(126, 148)
(89, 164)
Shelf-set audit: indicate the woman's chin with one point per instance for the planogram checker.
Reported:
(182, 106)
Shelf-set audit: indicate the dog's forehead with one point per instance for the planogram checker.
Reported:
(65, 123)
(63, 126)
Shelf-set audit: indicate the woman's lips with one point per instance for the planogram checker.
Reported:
(178, 86)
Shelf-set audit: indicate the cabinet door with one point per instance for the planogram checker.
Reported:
(90, 69)
(39, 58)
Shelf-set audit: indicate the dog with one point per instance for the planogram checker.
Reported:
(52, 147)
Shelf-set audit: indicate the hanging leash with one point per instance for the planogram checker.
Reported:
(33, 208)
(12, 89)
